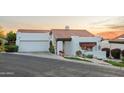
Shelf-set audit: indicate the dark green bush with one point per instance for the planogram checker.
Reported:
(78, 53)
(116, 53)
(51, 48)
(6, 43)
(107, 51)
(11, 37)
(11, 48)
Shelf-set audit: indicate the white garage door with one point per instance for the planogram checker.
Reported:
(33, 46)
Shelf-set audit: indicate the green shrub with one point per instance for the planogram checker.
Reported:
(116, 53)
(107, 51)
(89, 56)
(122, 59)
(1, 48)
(6, 43)
(51, 48)
(11, 37)
(11, 48)
(79, 53)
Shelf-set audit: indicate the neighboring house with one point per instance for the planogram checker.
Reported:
(117, 42)
(66, 40)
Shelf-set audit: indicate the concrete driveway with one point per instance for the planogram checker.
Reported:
(28, 66)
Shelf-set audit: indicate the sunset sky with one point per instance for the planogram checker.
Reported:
(94, 24)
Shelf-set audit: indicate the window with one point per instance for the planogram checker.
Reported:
(87, 45)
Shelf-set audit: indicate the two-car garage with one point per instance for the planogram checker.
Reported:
(33, 46)
(33, 42)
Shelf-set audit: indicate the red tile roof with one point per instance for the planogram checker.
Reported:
(110, 35)
(67, 33)
(121, 36)
(118, 39)
(32, 31)
(61, 33)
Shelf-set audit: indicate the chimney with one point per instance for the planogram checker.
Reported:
(67, 27)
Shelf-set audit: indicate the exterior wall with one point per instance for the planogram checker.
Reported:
(106, 44)
(114, 45)
(72, 46)
(18, 35)
(76, 40)
(67, 48)
(75, 45)
(97, 54)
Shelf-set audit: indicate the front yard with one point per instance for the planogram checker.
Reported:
(111, 62)
(115, 63)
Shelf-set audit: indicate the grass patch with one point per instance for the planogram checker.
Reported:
(76, 58)
(114, 63)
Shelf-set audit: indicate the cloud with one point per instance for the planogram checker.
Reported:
(117, 23)
(101, 22)
(116, 26)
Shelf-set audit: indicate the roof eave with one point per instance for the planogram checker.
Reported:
(63, 39)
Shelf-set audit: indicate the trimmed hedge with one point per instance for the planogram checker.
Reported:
(116, 53)
(107, 51)
(11, 48)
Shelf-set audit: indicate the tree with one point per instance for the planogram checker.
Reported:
(1, 32)
(11, 37)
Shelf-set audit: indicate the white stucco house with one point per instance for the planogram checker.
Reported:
(67, 40)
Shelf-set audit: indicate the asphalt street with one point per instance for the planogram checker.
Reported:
(12, 65)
